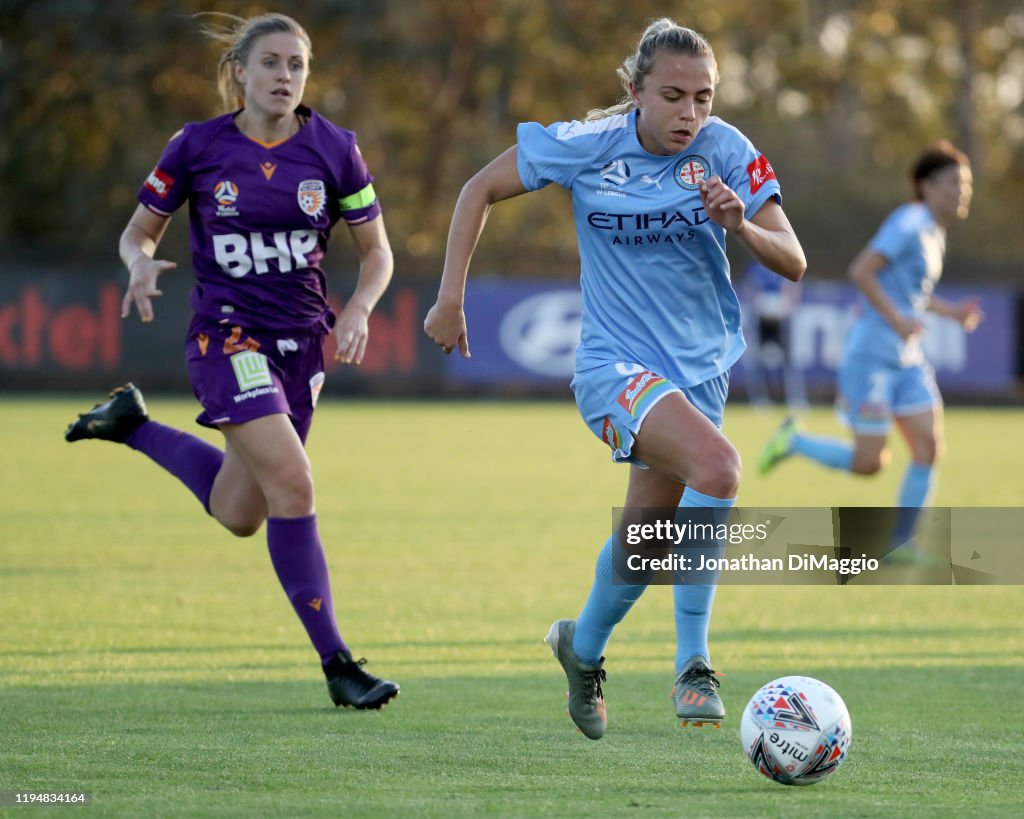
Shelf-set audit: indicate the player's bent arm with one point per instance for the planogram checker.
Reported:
(863, 272)
(445, 323)
(138, 243)
(769, 237)
(142, 235)
(376, 264)
(967, 313)
(497, 181)
(940, 307)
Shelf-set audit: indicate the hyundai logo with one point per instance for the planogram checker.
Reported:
(541, 333)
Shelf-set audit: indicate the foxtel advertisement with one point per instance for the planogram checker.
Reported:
(65, 331)
(818, 546)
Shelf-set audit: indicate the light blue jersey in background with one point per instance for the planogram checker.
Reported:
(913, 245)
(655, 277)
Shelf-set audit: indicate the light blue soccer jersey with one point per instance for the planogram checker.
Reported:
(655, 278)
(913, 245)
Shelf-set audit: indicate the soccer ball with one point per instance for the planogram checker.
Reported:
(796, 730)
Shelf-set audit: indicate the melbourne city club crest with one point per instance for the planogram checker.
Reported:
(690, 171)
(312, 197)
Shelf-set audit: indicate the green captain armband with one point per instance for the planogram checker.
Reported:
(359, 199)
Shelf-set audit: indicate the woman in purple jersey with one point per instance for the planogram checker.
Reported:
(265, 184)
(677, 453)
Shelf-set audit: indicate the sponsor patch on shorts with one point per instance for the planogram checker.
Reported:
(638, 391)
(610, 435)
(251, 370)
(316, 383)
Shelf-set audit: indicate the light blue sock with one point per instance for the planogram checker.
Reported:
(915, 492)
(605, 608)
(917, 485)
(693, 602)
(829, 452)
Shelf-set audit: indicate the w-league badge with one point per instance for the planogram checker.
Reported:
(312, 197)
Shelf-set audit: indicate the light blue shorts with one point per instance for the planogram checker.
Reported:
(614, 399)
(872, 393)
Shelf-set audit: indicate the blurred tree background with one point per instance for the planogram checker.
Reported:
(839, 95)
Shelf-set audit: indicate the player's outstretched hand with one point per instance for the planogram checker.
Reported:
(445, 325)
(721, 203)
(969, 313)
(142, 286)
(351, 332)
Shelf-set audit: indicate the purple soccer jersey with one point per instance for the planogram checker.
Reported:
(260, 219)
(261, 215)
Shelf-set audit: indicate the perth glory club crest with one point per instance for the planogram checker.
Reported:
(312, 197)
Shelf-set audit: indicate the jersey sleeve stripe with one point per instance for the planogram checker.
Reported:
(360, 199)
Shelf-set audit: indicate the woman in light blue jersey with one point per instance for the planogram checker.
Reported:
(883, 374)
(657, 183)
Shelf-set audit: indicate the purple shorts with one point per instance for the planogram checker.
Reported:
(239, 375)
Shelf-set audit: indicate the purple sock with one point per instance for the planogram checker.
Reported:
(190, 459)
(301, 567)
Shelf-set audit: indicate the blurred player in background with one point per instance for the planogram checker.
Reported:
(656, 183)
(265, 184)
(883, 374)
(767, 327)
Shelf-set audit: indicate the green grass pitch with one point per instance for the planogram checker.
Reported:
(150, 658)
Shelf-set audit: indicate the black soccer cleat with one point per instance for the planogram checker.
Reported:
(113, 421)
(349, 685)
